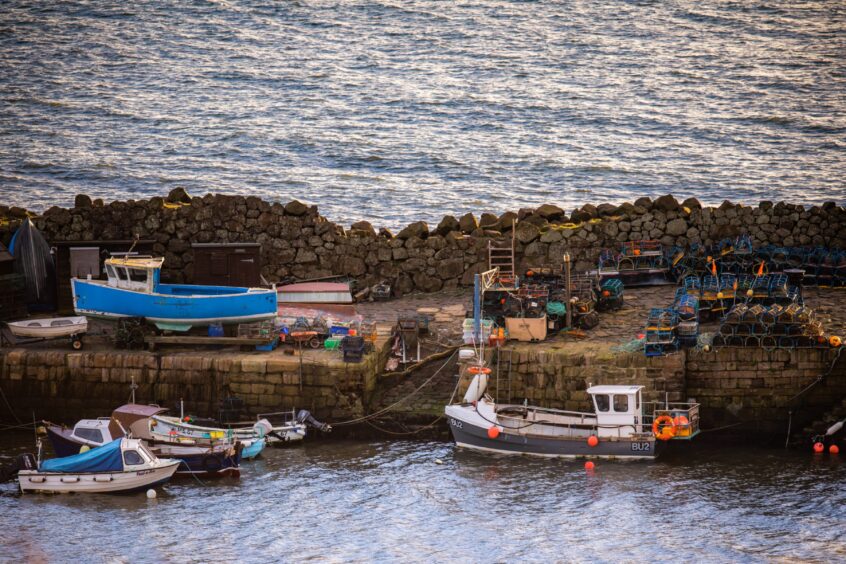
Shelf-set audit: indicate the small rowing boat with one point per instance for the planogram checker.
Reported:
(49, 328)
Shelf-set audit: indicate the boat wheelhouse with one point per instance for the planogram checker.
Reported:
(133, 289)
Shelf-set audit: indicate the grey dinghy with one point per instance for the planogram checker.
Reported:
(622, 426)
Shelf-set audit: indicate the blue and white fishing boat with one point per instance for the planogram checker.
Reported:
(133, 289)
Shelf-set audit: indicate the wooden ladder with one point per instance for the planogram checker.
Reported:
(503, 257)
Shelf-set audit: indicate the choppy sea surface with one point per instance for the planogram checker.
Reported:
(399, 110)
(391, 502)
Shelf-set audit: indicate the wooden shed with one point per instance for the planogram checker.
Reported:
(227, 264)
(79, 259)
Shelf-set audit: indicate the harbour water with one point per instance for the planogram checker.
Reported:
(390, 501)
(399, 111)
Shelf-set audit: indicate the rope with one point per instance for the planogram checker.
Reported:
(401, 400)
(9, 406)
(428, 426)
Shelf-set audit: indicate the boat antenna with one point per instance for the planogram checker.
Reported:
(181, 409)
(132, 386)
(134, 242)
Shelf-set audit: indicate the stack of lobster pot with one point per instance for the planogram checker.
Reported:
(661, 332)
(687, 330)
(771, 327)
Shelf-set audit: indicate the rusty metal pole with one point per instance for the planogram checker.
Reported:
(569, 304)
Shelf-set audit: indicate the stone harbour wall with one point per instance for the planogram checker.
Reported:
(297, 242)
(65, 386)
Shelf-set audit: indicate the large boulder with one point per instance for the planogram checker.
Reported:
(179, 196)
(527, 232)
(676, 227)
(666, 203)
(364, 226)
(468, 223)
(550, 212)
(82, 201)
(692, 204)
(296, 208)
(605, 210)
(417, 229)
(447, 225)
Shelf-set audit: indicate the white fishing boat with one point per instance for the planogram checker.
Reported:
(621, 426)
(123, 465)
(51, 328)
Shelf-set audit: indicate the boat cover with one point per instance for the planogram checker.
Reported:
(34, 261)
(106, 458)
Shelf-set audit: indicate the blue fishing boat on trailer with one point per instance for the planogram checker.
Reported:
(133, 289)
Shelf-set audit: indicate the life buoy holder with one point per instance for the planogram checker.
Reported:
(664, 428)
(478, 370)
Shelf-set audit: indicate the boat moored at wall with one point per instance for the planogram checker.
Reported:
(621, 426)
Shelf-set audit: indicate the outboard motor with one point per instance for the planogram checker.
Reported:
(21, 462)
(305, 417)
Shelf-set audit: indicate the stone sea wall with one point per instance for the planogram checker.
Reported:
(297, 242)
(65, 386)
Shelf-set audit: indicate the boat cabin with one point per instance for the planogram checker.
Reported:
(618, 409)
(140, 274)
(93, 432)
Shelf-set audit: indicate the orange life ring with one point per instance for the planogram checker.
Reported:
(478, 370)
(664, 428)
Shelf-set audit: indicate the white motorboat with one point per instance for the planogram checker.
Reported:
(51, 328)
(123, 465)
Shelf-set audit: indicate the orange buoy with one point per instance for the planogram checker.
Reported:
(637, 252)
(664, 428)
(606, 294)
(835, 341)
(592, 441)
(478, 370)
(493, 432)
(834, 449)
(589, 465)
(819, 447)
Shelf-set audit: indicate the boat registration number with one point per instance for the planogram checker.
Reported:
(455, 423)
(640, 447)
(143, 472)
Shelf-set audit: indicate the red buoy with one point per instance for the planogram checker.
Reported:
(493, 432)
(592, 441)
(589, 465)
(834, 449)
(819, 447)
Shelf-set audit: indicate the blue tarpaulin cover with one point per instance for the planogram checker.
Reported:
(106, 458)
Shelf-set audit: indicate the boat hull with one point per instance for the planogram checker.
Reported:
(471, 432)
(97, 482)
(174, 304)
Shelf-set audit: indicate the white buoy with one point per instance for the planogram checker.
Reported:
(438, 461)
(151, 494)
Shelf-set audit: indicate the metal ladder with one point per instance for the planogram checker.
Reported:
(503, 257)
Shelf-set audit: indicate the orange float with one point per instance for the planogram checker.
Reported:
(493, 432)
(819, 448)
(478, 370)
(664, 428)
(592, 441)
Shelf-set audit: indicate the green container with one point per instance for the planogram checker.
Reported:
(332, 344)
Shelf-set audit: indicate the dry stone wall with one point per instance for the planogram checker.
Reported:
(297, 242)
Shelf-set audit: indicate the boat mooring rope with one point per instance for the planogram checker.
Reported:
(401, 400)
